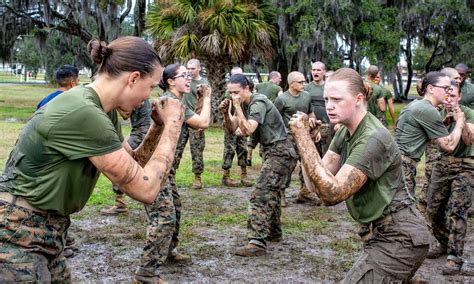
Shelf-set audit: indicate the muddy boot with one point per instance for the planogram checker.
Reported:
(250, 250)
(227, 181)
(283, 198)
(437, 251)
(452, 267)
(274, 239)
(244, 178)
(177, 257)
(306, 196)
(69, 248)
(197, 182)
(418, 280)
(143, 275)
(120, 206)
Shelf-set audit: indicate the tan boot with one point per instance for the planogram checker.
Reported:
(452, 268)
(120, 206)
(197, 182)
(250, 250)
(227, 181)
(283, 198)
(306, 196)
(244, 179)
(144, 276)
(176, 257)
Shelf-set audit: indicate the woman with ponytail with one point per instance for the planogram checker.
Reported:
(165, 213)
(55, 164)
(363, 167)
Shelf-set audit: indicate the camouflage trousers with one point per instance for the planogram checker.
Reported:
(234, 144)
(432, 155)
(265, 208)
(196, 144)
(297, 159)
(383, 118)
(163, 220)
(396, 248)
(409, 173)
(449, 198)
(327, 133)
(31, 245)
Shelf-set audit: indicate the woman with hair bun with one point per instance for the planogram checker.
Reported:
(420, 122)
(363, 167)
(165, 213)
(55, 164)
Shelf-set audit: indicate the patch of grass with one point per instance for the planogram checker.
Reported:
(297, 224)
(345, 246)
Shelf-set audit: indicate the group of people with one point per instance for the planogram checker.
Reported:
(334, 126)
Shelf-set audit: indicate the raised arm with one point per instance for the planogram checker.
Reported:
(333, 185)
(202, 116)
(230, 121)
(143, 183)
(468, 134)
(449, 143)
(247, 127)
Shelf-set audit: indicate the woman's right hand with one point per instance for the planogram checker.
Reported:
(167, 111)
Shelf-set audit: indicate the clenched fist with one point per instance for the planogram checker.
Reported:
(224, 106)
(204, 90)
(167, 111)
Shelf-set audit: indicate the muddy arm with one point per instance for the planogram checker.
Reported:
(449, 143)
(468, 134)
(247, 127)
(332, 189)
(230, 122)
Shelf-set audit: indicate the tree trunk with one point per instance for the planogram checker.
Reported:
(408, 54)
(217, 68)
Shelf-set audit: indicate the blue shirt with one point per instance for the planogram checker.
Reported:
(48, 98)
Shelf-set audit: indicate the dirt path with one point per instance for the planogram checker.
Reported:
(320, 244)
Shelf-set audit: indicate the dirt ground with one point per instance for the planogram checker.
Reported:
(320, 247)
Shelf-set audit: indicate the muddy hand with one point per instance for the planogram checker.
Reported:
(236, 100)
(224, 106)
(204, 90)
(168, 111)
(315, 132)
(299, 122)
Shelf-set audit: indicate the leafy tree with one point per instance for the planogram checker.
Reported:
(221, 33)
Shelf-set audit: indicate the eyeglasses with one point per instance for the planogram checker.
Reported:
(299, 82)
(186, 75)
(447, 89)
(463, 75)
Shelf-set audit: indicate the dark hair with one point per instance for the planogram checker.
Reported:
(455, 83)
(65, 74)
(372, 71)
(356, 84)
(124, 54)
(241, 80)
(169, 72)
(432, 78)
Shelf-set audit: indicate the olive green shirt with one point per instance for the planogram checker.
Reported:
(467, 92)
(49, 165)
(317, 100)
(269, 89)
(419, 122)
(188, 113)
(372, 105)
(288, 105)
(270, 127)
(189, 99)
(372, 150)
(462, 150)
(387, 95)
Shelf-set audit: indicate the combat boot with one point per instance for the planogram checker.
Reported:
(437, 251)
(175, 256)
(244, 178)
(250, 250)
(452, 268)
(142, 275)
(197, 182)
(306, 196)
(120, 206)
(227, 181)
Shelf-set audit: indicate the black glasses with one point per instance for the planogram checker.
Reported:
(184, 75)
(447, 89)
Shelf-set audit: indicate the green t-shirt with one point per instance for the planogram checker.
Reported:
(467, 92)
(188, 113)
(372, 150)
(372, 105)
(270, 127)
(49, 165)
(419, 122)
(288, 105)
(462, 150)
(386, 95)
(269, 89)
(317, 101)
(189, 99)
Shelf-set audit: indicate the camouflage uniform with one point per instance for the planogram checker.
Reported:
(234, 144)
(197, 143)
(409, 173)
(432, 155)
(31, 245)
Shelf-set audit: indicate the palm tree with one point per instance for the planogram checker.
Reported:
(221, 33)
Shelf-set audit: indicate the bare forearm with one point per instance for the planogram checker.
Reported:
(145, 150)
(450, 142)
(229, 122)
(242, 122)
(468, 134)
(205, 112)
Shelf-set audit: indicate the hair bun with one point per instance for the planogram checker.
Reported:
(368, 91)
(98, 50)
(419, 88)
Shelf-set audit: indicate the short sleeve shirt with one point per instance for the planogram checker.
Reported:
(317, 100)
(372, 105)
(386, 94)
(270, 127)
(372, 150)
(189, 99)
(462, 150)
(49, 165)
(419, 123)
(467, 92)
(268, 89)
(288, 105)
(188, 113)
